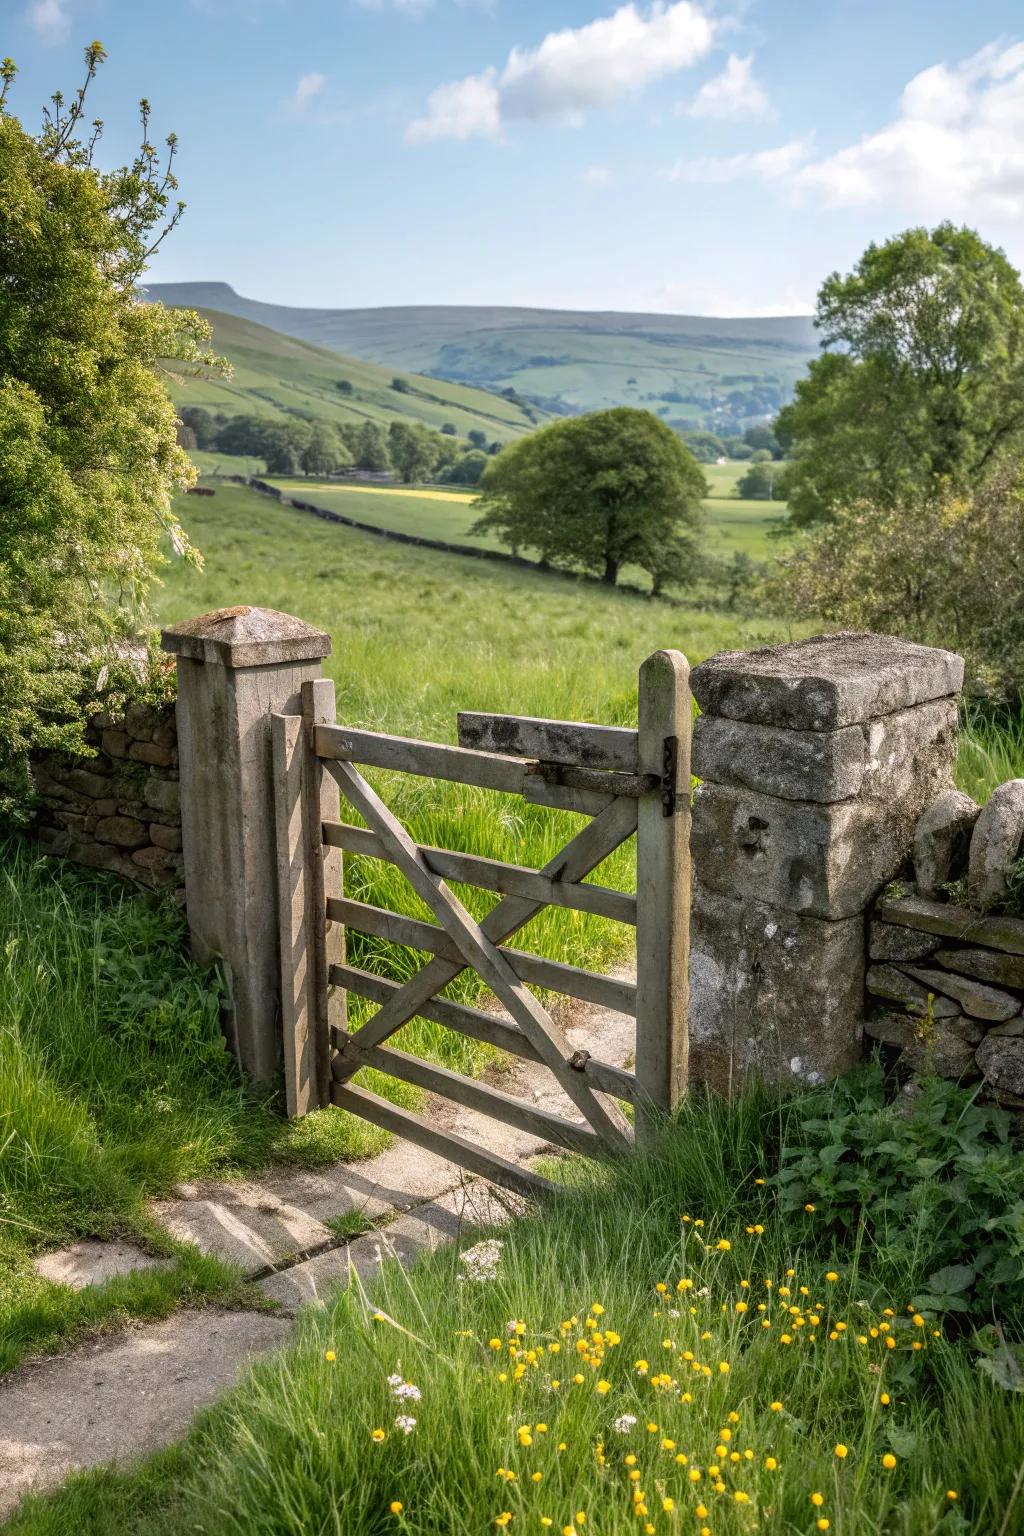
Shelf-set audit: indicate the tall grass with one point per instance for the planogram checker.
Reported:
(991, 751)
(617, 1371)
(114, 1082)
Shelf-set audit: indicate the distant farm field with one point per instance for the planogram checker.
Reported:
(732, 525)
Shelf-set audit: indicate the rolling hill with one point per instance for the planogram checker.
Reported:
(279, 375)
(691, 370)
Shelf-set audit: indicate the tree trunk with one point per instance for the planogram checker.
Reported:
(611, 571)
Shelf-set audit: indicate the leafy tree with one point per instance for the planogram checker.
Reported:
(88, 450)
(242, 435)
(345, 386)
(943, 571)
(186, 437)
(921, 384)
(468, 470)
(202, 423)
(758, 483)
(706, 447)
(371, 451)
(598, 492)
(400, 385)
(477, 438)
(325, 453)
(414, 453)
(284, 445)
(760, 456)
(763, 438)
(449, 429)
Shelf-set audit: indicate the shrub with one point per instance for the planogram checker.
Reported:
(942, 571)
(934, 1184)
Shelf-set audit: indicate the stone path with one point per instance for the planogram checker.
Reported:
(125, 1396)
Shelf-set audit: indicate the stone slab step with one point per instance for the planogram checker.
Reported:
(122, 1397)
(416, 1232)
(245, 1224)
(91, 1262)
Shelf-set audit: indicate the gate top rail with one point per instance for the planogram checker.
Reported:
(552, 741)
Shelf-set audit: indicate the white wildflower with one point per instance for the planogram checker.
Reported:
(406, 1423)
(482, 1261)
(624, 1423)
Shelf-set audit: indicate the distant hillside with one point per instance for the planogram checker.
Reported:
(278, 375)
(692, 370)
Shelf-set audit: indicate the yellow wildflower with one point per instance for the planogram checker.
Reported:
(888, 1461)
(842, 1451)
(396, 1506)
(377, 1436)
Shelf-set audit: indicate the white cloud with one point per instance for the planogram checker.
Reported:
(597, 175)
(571, 70)
(307, 88)
(954, 149)
(49, 20)
(734, 94)
(956, 145)
(768, 164)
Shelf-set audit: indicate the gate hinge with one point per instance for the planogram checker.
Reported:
(578, 1060)
(669, 761)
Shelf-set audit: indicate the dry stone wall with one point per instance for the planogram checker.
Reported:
(945, 979)
(119, 810)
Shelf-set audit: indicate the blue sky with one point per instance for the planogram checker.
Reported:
(711, 157)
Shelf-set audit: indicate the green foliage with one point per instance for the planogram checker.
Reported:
(706, 447)
(598, 492)
(88, 447)
(371, 450)
(933, 1184)
(468, 470)
(942, 570)
(758, 482)
(925, 386)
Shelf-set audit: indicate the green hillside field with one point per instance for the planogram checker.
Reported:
(732, 526)
(688, 369)
(278, 376)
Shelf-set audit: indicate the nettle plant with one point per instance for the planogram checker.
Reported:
(933, 1184)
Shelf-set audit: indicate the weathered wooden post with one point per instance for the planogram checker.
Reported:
(236, 667)
(663, 888)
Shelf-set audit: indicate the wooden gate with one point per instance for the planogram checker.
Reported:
(626, 781)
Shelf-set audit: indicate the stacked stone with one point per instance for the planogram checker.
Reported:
(817, 759)
(947, 980)
(120, 809)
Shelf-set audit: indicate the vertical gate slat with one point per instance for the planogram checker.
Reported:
(663, 888)
(322, 803)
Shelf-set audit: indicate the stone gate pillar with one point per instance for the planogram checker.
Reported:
(816, 759)
(237, 667)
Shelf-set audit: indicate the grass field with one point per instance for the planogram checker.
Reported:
(632, 1361)
(283, 378)
(732, 525)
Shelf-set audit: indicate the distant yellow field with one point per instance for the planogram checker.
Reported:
(375, 490)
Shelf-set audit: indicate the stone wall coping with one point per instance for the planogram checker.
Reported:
(952, 922)
(826, 682)
(245, 637)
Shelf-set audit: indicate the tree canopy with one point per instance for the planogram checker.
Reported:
(88, 445)
(597, 492)
(921, 385)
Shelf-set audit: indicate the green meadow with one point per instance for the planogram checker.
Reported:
(732, 525)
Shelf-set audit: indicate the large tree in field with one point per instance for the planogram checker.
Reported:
(598, 492)
(921, 384)
(88, 450)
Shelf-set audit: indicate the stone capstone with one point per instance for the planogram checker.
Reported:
(1002, 1062)
(942, 841)
(826, 682)
(246, 637)
(996, 843)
